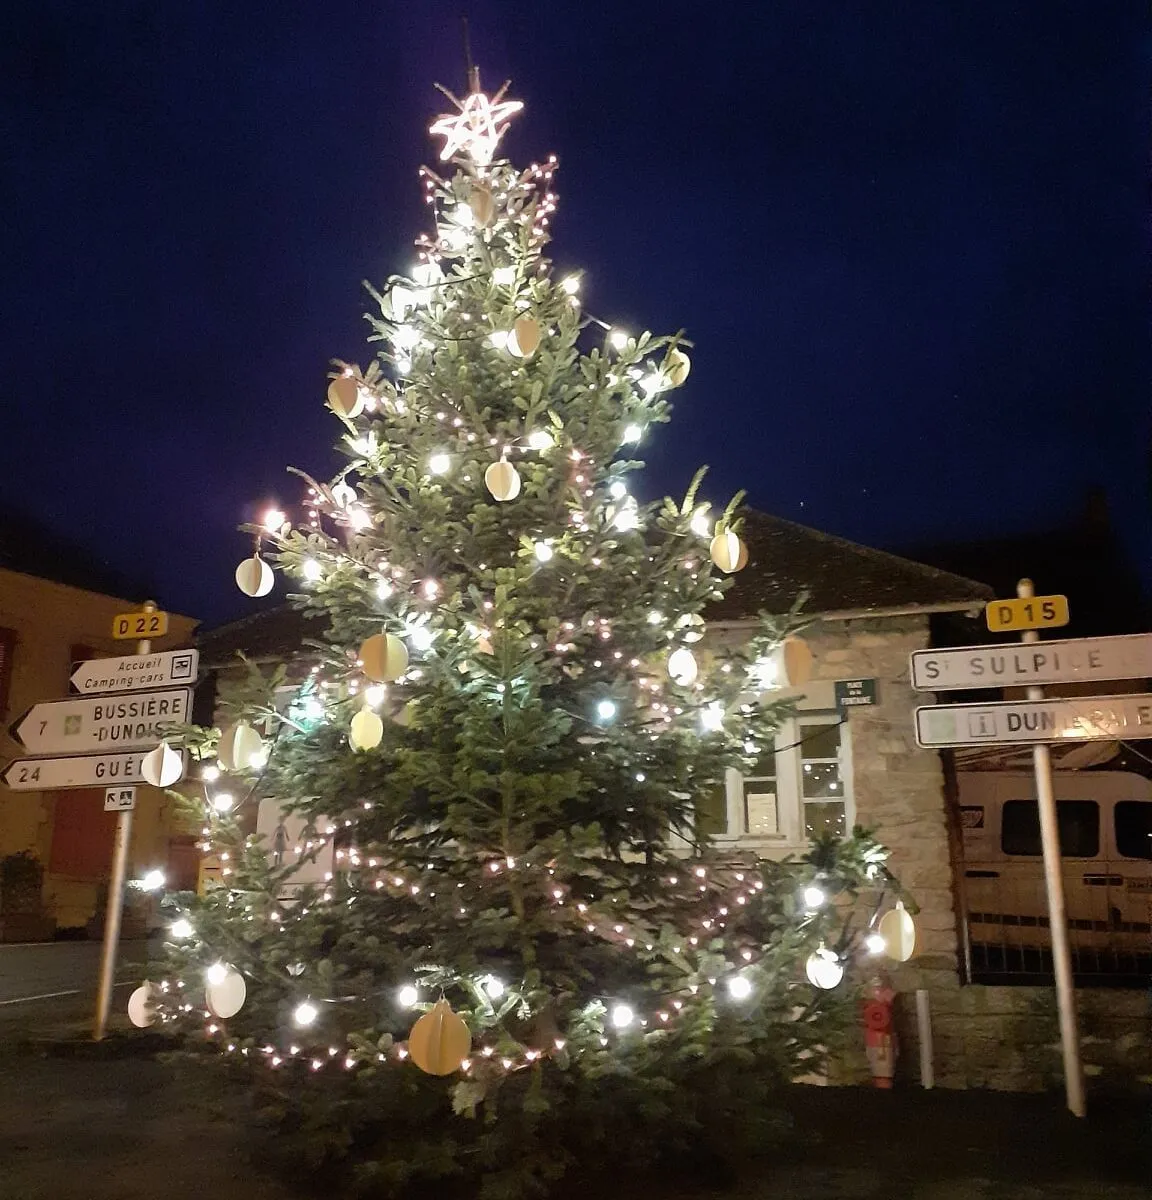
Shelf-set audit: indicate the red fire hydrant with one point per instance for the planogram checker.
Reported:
(879, 1032)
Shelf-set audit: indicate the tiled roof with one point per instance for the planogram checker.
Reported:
(839, 576)
(275, 633)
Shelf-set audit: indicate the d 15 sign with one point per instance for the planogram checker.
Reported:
(1028, 612)
(134, 626)
(1087, 719)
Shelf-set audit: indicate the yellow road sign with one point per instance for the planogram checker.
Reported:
(1030, 612)
(135, 626)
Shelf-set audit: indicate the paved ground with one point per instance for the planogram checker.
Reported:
(115, 1128)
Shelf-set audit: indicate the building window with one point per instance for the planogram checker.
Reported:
(800, 787)
(7, 652)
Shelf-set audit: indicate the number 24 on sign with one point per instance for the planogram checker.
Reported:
(139, 625)
(1030, 612)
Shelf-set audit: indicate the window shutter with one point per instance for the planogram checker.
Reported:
(7, 652)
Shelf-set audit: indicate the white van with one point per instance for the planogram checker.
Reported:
(1105, 821)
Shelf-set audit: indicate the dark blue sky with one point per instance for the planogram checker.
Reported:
(908, 239)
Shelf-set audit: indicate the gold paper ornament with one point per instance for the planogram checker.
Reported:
(898, 930)
(483, 206)
(439, 1041)
(254, 576)
(365, 731)
(383, 657)
(502, 480)
(682, 666)
(525, 337)
(677, 364)
(728, 552)
(346, 397)
(240, 745)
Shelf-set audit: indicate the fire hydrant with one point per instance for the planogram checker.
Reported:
(879, 1032)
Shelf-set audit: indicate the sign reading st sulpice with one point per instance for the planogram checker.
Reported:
(81, 725)
(136, 671)
(1082, 719)
(1081, 660)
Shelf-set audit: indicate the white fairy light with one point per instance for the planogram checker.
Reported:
(152, 881)
(712, 717)
(405, 336)
(493, 986)
(421, 637)
(606, 710)
(543, 552)
(655, 618)
(622, 1016)
(274, 520)
(617, 339)
(375, 694)
(407, 996)
(312, 570)
(700, 525)
(541, 439)
(652, 383)
(216, 973)
(223, 802)
(570, 284)
(210, 773)
(874, 943)
(305, 1014)
(632, 433)
(359, 518)
(181, 929)
(739, 987)
(617, 489)
(439, 463)
(627, 519)
(504, 276)
(814, 896)
(383, 589)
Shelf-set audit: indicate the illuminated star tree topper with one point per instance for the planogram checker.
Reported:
(476, 129)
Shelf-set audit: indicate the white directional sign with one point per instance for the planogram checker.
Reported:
(81, 725)
(1091, 659)
(78, 771)
(119, 799)
(136, 671)
(1083, 719)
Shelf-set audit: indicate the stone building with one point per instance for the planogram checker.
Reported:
(56, 608)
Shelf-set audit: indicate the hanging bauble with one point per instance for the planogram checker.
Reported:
(406, 715)
(383, 657)
(240, 747)
(502, 480)
(682, 667)
(162, 767)
(524, 338)
(728, 552)
(254, 576)
(439, 1041)
(366, 730)
(343, 494)
(225, 997)
(824, 969)
(483, 205)
(140, 1010)
(789, 665)
(899, 933)
(346, 397)
(691, 627)
(677, 364)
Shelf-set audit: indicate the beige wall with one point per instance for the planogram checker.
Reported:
(49, 618)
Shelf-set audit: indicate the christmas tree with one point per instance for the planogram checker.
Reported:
(482, 934)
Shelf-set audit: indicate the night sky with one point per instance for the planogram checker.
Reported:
(908, 240)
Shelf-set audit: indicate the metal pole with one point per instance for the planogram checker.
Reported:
(924, 1029)
(1057, 914)
(115, 908)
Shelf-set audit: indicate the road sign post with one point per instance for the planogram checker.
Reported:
(115, 910)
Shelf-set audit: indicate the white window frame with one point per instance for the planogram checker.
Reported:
(789, 787)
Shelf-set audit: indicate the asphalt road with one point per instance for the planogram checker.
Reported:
(55, 982)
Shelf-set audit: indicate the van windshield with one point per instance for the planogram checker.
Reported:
(1078, 821)
(1134, 828)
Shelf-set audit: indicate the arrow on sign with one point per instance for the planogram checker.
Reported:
(78, 726)
(79, 771)
(136, 671)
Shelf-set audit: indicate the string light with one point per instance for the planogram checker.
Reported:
(814, 896)
(617, 339)
(739, 987)
(305, 1014)
(606, 710)
(312, 570)
(622, 1016)
(632, 433)
(408, 996)
(541, 439)
(216, 973)
(874, 943)
(274, 520)
(543, 552)
(439, 463)
(223, 802)
(181, 928)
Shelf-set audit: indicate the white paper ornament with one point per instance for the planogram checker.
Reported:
(140, 1010)
(226, 998)
(682, 666)
(524, 338)
(254, 576)
(728, 552)
(346, 397)
(676, 367)
(383, 657)
(899, 933)
(502, 480)
(162, 767)
(824, 969)
(365, 731)
(239, 746)
(692, 627)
